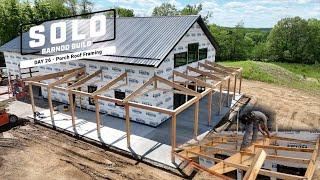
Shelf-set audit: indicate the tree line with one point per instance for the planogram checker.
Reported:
(293, 40)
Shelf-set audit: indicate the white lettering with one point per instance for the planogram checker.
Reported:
(98, 20)
(75, 32)
(39, 37)
(53, 33)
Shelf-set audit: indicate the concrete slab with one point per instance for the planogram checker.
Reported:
(147, 142)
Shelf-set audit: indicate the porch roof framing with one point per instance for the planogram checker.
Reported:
(110, 84)
(226, 69)
(248, 160)
(153, 81)
(51, 75)
(192, 79)
(66, 77)
(215, 70)
(84, 79)
(204, 73)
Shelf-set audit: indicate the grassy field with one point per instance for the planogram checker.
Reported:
(298, 76)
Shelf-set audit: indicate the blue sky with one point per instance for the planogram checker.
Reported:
(253, 13)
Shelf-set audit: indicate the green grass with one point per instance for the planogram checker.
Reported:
(298, 76)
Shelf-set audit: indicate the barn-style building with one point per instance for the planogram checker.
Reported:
(145, 47)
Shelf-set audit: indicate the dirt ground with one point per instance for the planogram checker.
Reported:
(35, 152)
(295, 109)
(32, 151)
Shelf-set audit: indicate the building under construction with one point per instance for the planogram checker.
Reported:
(164, 68)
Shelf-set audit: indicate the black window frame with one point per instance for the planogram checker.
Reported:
(92, 89)
(203, 55)
(176, 56)
(122, 95)
(193, 52)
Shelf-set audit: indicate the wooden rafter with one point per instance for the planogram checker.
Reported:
(110, 84)
(139, 90)
(197, 81)
(204, 73)
(247, 161)
(256, 165)
(67, 77)
(215, 70)
(50, 76)
(224, 68)
(177, 86)
(83, 80)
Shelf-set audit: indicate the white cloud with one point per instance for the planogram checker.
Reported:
(254, 13)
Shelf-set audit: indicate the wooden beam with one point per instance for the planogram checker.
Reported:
(50, 76)
(227, 69)
(177, 86)
(213, 64)
(209, 108)
(139, 90)
(196, 120)
(186, 105)
(198, 81)
(312, 164)
(151, 108)
(72, 111)
(66, 77)
(185, 83)
(175, 91)
(212, 68)
(128, 131)
(283, 148)
(83, 80)
(266, 172)
(235, 87)
(173, 136)
(240, 82)
(96, 100)
(205, 156)
(110, 84)
(208, 74)
(199, 167)
(228, 94)
(256, 165)
(32, 100)
(220, 100)
(50, 104)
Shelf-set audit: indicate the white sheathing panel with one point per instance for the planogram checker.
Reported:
(137, 75)
(12, 61)
(194, 35)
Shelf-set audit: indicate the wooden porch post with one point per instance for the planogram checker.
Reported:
(127, 124)
(97, 115)
(196, 120)
(173, 136)
(228, 98)
(72, 110)
(235, 87)
(50, 104)
(220, 99)
(32, 100)
(240, 83)
(209, 107)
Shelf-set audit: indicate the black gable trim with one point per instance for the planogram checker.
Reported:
(207, 32)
